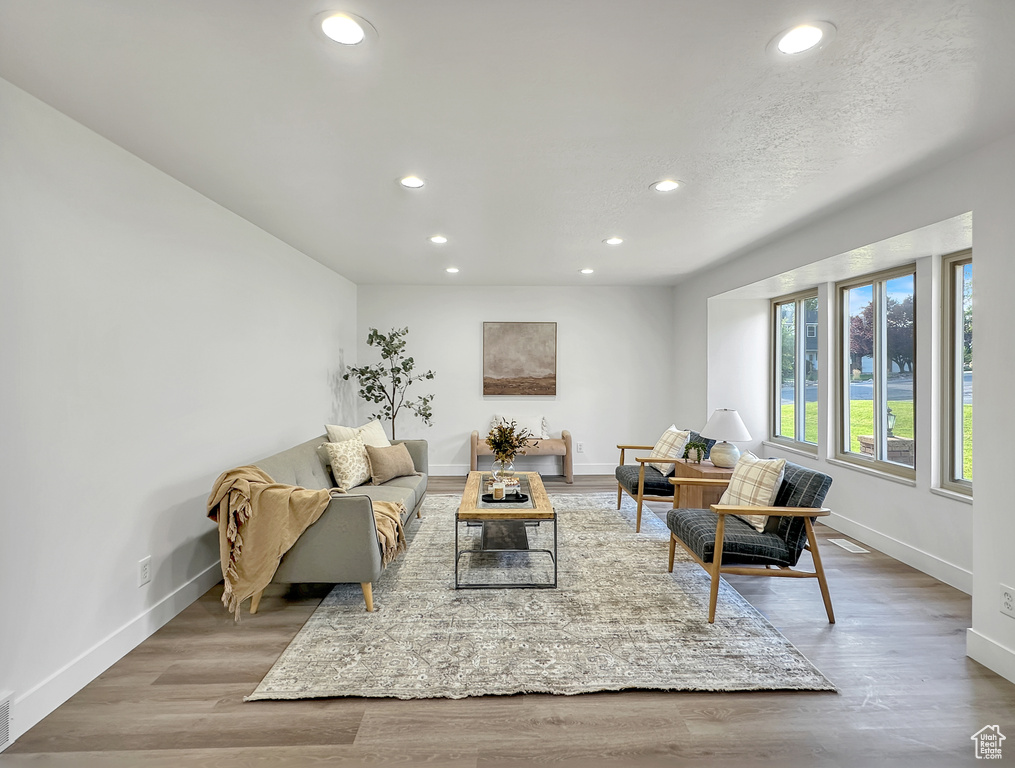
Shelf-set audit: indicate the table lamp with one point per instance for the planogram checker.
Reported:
(725, 424)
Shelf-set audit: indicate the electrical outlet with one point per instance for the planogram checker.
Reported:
(580, 447)
(1008, 601)
(144, 571)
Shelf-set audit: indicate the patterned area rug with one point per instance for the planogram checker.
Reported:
(616, 621)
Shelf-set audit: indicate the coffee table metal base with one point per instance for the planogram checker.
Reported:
(505, 536)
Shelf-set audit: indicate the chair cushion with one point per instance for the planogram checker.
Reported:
(742, 544)
(669, 445)
(755, 483)
(655, 483)
(801, 487)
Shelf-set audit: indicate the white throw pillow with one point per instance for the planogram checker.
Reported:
(371, 433)
(669, 445)
(535, 424)
(755, 483)
(349, 464)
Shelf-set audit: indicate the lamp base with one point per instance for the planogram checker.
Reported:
(724, 455)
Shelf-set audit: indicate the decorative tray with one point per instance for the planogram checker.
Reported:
(514, 498)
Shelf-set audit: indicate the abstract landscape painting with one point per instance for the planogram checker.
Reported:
(519, 358)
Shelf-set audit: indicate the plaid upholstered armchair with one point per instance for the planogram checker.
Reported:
(721, 541)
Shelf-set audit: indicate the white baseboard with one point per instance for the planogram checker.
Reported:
(40, 701)
(941, 570)
(460, 470)
(990, 654)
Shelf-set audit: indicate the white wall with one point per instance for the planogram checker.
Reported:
(967, 545)
(614, 372)
(150, 339)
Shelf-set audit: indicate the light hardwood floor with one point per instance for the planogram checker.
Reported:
(907, 693)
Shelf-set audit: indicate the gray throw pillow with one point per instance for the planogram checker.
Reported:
(389, 463)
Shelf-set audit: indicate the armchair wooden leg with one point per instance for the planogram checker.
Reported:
(368, 595)
(255, 600)
(637, 521)
(673, 550)
(812, 541)
(713, 595)
(620, 494)
(641, 493)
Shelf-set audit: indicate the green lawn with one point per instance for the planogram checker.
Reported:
(861, 422)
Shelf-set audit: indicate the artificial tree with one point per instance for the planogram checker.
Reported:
(386, 382)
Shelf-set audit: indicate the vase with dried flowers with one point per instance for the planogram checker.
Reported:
(507, 440)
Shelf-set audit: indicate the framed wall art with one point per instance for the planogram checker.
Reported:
(519, 358)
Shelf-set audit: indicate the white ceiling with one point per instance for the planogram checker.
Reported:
(538, 124)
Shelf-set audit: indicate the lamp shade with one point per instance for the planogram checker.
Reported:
(726, 424)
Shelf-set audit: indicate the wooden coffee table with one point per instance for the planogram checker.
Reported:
(509, 519)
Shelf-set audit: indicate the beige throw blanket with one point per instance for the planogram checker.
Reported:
(259, 520)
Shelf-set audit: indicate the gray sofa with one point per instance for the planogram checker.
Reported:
(342, 547)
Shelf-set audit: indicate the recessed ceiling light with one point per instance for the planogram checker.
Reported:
(439, 239)
(412, 182)
(803, 38)
(613, 241)
(587, 271)
(344, 28)
(666, 185)
(452, 270)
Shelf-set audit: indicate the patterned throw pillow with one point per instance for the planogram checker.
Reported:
(670, 444)
(755, 483)
(348, 461)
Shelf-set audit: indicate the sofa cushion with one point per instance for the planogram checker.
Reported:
(655, 483)
(371, 433)
(349, 464)
(388, 463)
(742, 543)
(408, 490)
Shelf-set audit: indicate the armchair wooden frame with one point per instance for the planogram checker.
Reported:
(640, 496)
(716, 568)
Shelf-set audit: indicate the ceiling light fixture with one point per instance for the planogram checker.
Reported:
(613, 241)
(452, 270)
(411, 182)
(666, 185)
(587, 271)
(803, 38)
(345, 28)
(439, 239)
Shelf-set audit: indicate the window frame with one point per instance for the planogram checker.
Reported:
(800, 389)
(879, 393)
(951, 398)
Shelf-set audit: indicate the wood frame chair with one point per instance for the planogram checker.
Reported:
(716, 568)
(640, 495)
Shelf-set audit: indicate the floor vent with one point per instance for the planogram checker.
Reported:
(849, 546)
(6, 702)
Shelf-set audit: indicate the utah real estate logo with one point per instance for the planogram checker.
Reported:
(988, 742)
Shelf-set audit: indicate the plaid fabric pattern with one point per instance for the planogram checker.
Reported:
(742, 544)
(694, 437)
(670, 444)
(780, 543)
(655, 483)
(755, 483)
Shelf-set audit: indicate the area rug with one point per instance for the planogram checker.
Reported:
(616, 621)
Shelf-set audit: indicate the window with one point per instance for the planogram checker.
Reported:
(795, 367)
(878, 378)
(957, 278)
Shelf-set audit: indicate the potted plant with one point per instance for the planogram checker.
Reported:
(386, 382)
(698, 449)
(507, 440)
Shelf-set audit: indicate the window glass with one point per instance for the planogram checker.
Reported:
(787, 370)
(965, 370)
(810, 398)
(900, 345)
(859, 343)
